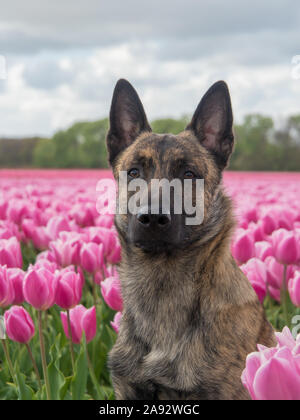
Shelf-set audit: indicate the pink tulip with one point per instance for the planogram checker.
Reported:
(17, 210)
(274, 373)
(39, 288)
(8, 230)
(269, 223)
(116, 322)
(56, 225)
(286, 246)
(109, 239)
(101, 275)
(257, 231)
(275, 272)
(111, 292)
(43, 263)
(84, 214)
(105, 220)
(10, 253)
(286, 339)
(82, 320)
(243, 248)
(37, 234)
(69, 289)
(19, 324)
(7, 293)
(66, 249)
(16, 278)
(3, 208)
(263, 250)
(256, 272)
(91, 257)
(294, 289)
(46, 255)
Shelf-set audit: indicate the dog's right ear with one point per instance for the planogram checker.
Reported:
(212, 123)
(127, 119)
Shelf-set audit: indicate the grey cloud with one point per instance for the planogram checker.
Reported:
(46, 74)
(40, 25)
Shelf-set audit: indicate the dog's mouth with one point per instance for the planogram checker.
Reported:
(156, 247)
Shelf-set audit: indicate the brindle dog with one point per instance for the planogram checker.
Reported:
(190, 315)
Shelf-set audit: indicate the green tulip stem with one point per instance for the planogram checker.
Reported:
(43, 355)
(34, 364)
(93, 375)
(284, 296)
(9, 362)
(71, 340)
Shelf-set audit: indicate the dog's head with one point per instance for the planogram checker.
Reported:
(201, 151)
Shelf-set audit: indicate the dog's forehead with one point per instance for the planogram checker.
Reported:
(165, 147)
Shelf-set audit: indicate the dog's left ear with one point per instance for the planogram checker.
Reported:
(127, 119)
(212, 123)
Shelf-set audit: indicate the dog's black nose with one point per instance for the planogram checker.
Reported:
(153, 220)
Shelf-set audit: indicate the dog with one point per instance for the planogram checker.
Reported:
(190, 315)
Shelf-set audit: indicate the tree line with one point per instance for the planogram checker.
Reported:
(260, 145)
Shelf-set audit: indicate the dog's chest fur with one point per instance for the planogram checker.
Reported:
(184, 330)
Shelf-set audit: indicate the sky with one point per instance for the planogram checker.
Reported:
(60, 60)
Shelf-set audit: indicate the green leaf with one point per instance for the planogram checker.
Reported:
(24, 391)
(56, 378)
(79, 381)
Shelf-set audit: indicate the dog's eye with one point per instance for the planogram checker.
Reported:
(134, 173)
(189, 175)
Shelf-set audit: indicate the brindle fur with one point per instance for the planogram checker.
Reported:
(190, 315)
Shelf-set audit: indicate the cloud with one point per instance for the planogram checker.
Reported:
(63, 58)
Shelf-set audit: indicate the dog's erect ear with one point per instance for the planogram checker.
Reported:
(127, 119)
(212, 123)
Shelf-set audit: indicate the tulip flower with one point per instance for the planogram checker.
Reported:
(286, 247)
(101, 275)
(256, 272)
(43, 263)
(46, 256)
(7, 293)
(69, 289)
(270, 223)
(19, 324)
(91, 257)
(274, 373)
(263, 250)
(37, 234)
(16, 278)
(275, 273)
(17, 210)
(243, 248)
(109, 239)
(56, 225)
(66, 249)
(116, 322)
(40, 288)
(20, 328)
(8, 230)
(81, 320)
(10, 253)
(294, 289)
(105, 220)
(3, 208)
(111, 292)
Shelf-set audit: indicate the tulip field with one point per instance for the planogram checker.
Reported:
(60, 295)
